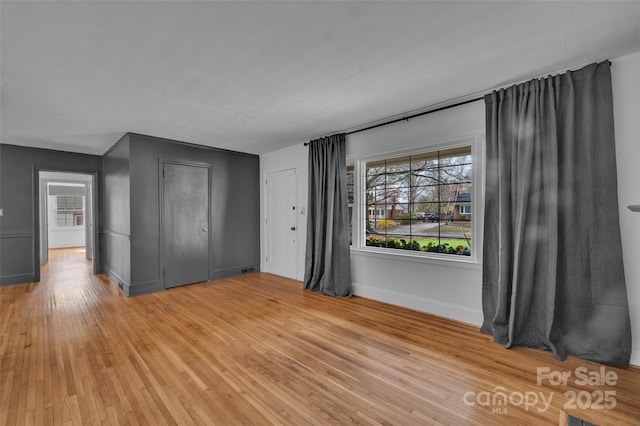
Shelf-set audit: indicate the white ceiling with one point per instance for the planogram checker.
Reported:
(259, 76)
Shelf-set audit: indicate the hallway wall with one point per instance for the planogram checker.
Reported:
(19, 225)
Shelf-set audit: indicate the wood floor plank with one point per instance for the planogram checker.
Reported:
(257, 349)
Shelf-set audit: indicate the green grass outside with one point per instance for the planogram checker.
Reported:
(452, 243)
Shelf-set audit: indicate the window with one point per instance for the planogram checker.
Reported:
(350, 198)
(419, 201)
(69, 211)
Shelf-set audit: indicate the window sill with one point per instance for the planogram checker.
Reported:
(451, 261)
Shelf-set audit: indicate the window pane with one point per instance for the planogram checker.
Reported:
(376, 175)
(425, 177)
(350, 184)
(397, 171)
(69, 210)
(424, 161)
(350, 198)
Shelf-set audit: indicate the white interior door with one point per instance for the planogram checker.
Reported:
(282, 233)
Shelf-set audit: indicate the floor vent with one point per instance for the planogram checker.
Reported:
(120, 285)
(245, 270)
(574, 421)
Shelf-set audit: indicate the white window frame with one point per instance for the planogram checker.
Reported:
(359, 247)
(466, 208)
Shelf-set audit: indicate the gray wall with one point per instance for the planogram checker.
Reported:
(116, 226)
(19, 260)
(235, 206)
(128, 209)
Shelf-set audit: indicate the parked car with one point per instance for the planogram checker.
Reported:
(431, 217)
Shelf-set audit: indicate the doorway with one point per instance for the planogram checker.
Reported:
(282, 232)
(185, 223)
(65, 203)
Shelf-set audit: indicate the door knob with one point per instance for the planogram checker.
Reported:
(204, 229)
(293, 228)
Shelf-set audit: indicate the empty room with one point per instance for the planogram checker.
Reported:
(319, 212)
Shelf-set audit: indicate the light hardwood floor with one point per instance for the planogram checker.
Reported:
(257, 349)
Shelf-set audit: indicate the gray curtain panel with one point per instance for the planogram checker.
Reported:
(553, 275)
(327, 260)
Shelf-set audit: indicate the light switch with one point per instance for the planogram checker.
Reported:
(1, 212)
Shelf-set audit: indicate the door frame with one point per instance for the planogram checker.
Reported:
(95, 219)
(43, 211)
(161, 239)
(267, 200)
(89, 242)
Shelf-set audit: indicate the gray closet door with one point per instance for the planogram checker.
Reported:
(186, 223)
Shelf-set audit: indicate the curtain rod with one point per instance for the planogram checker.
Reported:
(409, 117)
(419, 114)
(479, 98)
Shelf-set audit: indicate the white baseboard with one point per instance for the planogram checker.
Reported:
(422, 304)
(635, 356)
(447, 310)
